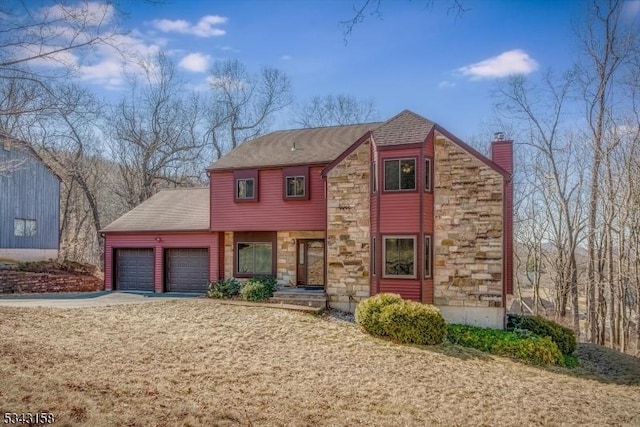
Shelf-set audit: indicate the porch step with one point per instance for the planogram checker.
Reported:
(300, 297)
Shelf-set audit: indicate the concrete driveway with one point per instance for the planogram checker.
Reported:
(89, 299)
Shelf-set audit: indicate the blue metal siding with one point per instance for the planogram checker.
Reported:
(31, 191)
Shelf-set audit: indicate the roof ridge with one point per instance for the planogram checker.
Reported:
(201, 187)
(324, 127)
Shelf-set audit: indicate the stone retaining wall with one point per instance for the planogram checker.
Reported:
(12, 281)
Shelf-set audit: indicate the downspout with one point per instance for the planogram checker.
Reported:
(379, 271)
(326, 238)
(421, 237)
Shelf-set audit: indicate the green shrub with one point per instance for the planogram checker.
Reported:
(269, 282)
(368, 312)
(224, 288)
(255, 290)
(564, 337)
(411, 322)
(524, 346)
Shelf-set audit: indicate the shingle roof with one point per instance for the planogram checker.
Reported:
(184, 209)
(404, 128)
(315, 145)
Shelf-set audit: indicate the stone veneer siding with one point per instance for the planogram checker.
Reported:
(348, 230)
(286, 253)
(228, 255)
(468, 229)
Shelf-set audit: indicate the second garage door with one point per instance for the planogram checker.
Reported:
(187, 270)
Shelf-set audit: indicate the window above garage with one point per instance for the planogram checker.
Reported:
(245, 185)
(295, 183)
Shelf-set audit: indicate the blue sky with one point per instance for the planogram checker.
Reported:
(425, 59)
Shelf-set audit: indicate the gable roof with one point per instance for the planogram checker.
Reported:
(404, 128)
(182, 209)
(293, 147)
(25, 148)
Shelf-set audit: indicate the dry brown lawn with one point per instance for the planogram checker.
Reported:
(198, 363)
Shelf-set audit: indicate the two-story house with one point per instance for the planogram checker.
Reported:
(29, 204)
(401, 206)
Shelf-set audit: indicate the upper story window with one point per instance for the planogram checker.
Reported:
(374, 177)
(24, 227)
(295, 183)
(428, 186)
(245, 188)
(399, 174)
(245, 185)
(295, 186)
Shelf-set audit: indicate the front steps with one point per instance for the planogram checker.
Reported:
(298, 296)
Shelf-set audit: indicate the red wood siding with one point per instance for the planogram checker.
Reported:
(408, 289)
(270, 212)
(502, 155)
(167, 240)
(399, 211)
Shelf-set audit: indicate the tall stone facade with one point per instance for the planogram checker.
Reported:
(468, 237)
(348, 230)
(286, 253)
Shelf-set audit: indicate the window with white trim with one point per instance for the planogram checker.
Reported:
(399, 256)
(427, 175)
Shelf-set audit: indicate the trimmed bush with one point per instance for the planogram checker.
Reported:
(269, 282)
(224, 288)
(368, 312)
(255, 290)
(524, 346)
(564, 337)
(411, 322)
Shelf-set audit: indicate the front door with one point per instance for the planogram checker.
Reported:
(310, 272)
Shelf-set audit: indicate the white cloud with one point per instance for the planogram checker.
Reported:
(196, 62)
(514, 61)
(286, 57)
(108, 67)
(446, 84)
(206, 27)
(89, 13)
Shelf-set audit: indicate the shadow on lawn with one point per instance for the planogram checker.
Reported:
(597, 363)
(606, 365)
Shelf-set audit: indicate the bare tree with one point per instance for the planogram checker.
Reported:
(155, 134)
(372, 8)
(558, 172)
(335, 110)
(50, 35)
(242, 105)
(609, 47)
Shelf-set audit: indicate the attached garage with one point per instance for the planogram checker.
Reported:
(187, 270)
(163, 245)
(134, 269)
